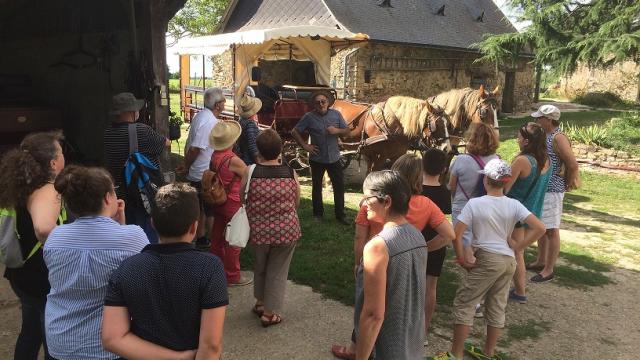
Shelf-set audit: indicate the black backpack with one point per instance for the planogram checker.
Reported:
(141, 177)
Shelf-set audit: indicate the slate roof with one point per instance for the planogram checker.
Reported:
(269, 14)
(407, 21)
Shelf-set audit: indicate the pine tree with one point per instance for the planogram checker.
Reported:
(567, 33)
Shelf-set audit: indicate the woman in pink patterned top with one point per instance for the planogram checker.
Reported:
(272, 200)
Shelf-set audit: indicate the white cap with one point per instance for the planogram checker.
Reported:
(497, 169)
(549, 111)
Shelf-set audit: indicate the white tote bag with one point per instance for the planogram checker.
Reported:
(238, 230)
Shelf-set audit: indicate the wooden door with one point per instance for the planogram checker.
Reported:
(509, 89)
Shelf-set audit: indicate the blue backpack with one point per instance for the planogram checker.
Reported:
(141, 177)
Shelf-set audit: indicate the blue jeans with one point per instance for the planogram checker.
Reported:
(32, 331)
(136, 216)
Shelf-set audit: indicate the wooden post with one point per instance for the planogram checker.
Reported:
(536, 93)
(185, 79)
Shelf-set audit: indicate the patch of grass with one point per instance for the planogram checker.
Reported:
(604, 99)
(578, 278)
(529, 329)
(578, 255)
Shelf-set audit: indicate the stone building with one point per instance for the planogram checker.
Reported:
(417, 48)
(622, 79)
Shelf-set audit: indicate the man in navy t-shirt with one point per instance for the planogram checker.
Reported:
(168, 301)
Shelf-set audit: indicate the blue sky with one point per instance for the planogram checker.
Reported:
(174, 64)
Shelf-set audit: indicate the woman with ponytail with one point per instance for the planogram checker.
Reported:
(26, 180)
(529, 178)
(80, 257)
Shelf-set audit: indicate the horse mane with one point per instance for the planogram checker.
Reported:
(459, 104)
(412, 114)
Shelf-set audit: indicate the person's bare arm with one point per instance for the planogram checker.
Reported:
(295, 177)
(338, 131)
(238, 167)
(457, 245)
(211, 328)
(118, 339)
(453, 185)
(569, 159)
(444, 237)
(312, 149)
(375, 262)
(533, 233)
(189, 157)
(44, 207)
(359, 240)
(520, 167)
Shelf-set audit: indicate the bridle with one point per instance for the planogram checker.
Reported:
(483, 111)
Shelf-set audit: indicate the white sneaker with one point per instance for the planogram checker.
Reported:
(479, 311)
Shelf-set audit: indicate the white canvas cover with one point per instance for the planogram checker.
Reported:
(251, 45)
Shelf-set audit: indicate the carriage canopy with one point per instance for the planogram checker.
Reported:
(312, 43)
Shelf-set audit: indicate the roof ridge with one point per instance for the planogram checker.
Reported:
(341, 25)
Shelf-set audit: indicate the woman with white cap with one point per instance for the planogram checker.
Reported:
(246, 147)
(230, 169)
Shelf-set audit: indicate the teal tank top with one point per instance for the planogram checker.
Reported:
(531, 189)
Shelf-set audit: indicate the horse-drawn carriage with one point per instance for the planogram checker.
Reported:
(380, 132)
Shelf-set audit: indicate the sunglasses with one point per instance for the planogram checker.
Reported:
(365, 200)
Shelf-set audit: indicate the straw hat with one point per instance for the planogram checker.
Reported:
(249, 106)
(125, 102)
(224, 134)
(326, 94)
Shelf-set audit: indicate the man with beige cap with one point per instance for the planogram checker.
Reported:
(561, 156)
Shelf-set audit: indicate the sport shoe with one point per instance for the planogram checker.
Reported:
(479, 311)
(477, 353)
(517, 298)
(442, 356)
(241, 282)
(539, 279)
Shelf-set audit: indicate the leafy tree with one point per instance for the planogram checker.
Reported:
(197, 17)
(566, 33)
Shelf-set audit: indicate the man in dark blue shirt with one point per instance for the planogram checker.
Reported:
(168, 301)
(324, 126)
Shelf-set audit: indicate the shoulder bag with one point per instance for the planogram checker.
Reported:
(238, 229)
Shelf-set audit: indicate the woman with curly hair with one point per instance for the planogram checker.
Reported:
(26, 180)
(465, 183)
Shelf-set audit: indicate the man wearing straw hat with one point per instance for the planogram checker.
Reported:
(324, 125)
(197, 155)
(246, 147)
(126, 109)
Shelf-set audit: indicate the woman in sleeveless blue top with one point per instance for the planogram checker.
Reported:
(528, 185)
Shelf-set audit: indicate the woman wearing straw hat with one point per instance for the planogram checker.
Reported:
(230, 168)
(246, 147)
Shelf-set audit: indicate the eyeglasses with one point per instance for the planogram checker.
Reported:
(365, 200)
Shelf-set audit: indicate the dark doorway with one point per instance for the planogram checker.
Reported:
(509, 87)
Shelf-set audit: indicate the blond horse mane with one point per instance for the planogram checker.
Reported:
(459, 104)
(410, 112)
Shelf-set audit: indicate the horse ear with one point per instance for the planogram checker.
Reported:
(496, 91)
(481, 91)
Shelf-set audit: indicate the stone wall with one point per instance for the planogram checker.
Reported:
(377, 71)
(222, 70)
(621, 79)
(606, 157)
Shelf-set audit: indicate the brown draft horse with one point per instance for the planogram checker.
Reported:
(385, 131)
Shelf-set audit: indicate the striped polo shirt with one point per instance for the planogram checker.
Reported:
(116, 149)
(556, 183)
(80, 257)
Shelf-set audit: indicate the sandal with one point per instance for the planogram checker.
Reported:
(258, 310)
(342, 352)
(273, 319)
